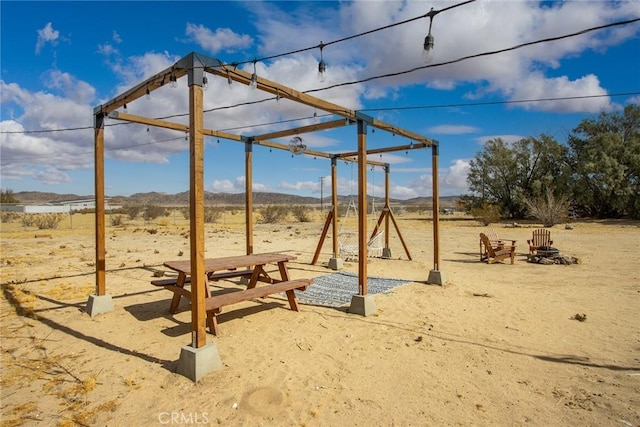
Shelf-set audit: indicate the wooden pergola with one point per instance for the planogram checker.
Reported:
(195, 66)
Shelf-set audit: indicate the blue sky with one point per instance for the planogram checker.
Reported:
(61, 59)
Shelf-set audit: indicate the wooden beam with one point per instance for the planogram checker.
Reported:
(158, 80)
(333, 124)
(402, 132)
(285, 147)
(132, 118)
(385, 150)
(282, 91)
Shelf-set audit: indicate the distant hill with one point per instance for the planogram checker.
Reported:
(182, 199)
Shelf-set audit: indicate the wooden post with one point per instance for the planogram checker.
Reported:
(196, 206)
(101, 285)
(387, 204)
(248, 186)
(362, 207)
(334, 205)
(436, 208)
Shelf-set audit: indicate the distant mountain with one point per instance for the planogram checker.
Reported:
(182, 199)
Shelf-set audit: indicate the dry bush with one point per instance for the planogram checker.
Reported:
(301, 213)
(117, 220)
(46, 221)
(6, 217)
(486, 214)
(549, 209)
(273, 213)
(212, 214)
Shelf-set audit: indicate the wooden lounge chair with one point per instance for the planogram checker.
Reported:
(494, 241)
(498, 254)
(541, 237)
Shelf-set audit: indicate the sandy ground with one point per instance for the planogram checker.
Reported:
(496, 345)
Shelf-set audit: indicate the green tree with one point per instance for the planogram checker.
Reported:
(7, 196)
(604, 155)
(506, 175)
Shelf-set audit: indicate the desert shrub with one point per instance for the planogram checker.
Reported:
(548, 209)
(486, 213)
(212, 214)
(271, 214)
(47, 221)
(186, 213)
(117, 220)
(133, 211)
(301, 213)
(152, 212)
(9, 216)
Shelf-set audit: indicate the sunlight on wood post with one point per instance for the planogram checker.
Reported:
(334, 203)
(248, 191)
(362, 207)
(101, 285)
(196, 206)
(436, 276)
(387, 203)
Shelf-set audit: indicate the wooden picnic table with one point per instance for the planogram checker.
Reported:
(252, 266)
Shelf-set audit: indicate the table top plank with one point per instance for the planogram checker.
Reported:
(230, 262)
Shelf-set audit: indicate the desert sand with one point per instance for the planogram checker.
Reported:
(498, 344)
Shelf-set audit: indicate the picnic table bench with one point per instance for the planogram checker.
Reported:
(214, 304)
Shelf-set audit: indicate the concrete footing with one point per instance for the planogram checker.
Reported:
(335, 263)
(436, 277)
(98, 304)
(364, 305)
(386, 253)
(195, 363)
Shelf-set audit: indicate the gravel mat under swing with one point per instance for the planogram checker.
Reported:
(336, 290)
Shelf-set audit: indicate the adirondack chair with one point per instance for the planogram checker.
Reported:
(494, 241)
(541, 237)
(498, 254)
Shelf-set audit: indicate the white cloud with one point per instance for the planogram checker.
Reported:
(236, 186)
(455, 177)
(47, 35)
(116, 37)
(70, 87)
(107, 49)
(312, 186)
(536, 86)
(472, 29)
(223, 39)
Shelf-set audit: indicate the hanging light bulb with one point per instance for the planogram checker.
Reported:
(205, 82)
(148, 94)
(429, 40)
(173, 82)
(322, 67)
(125, 106)
(229, 78)
(254, 77)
